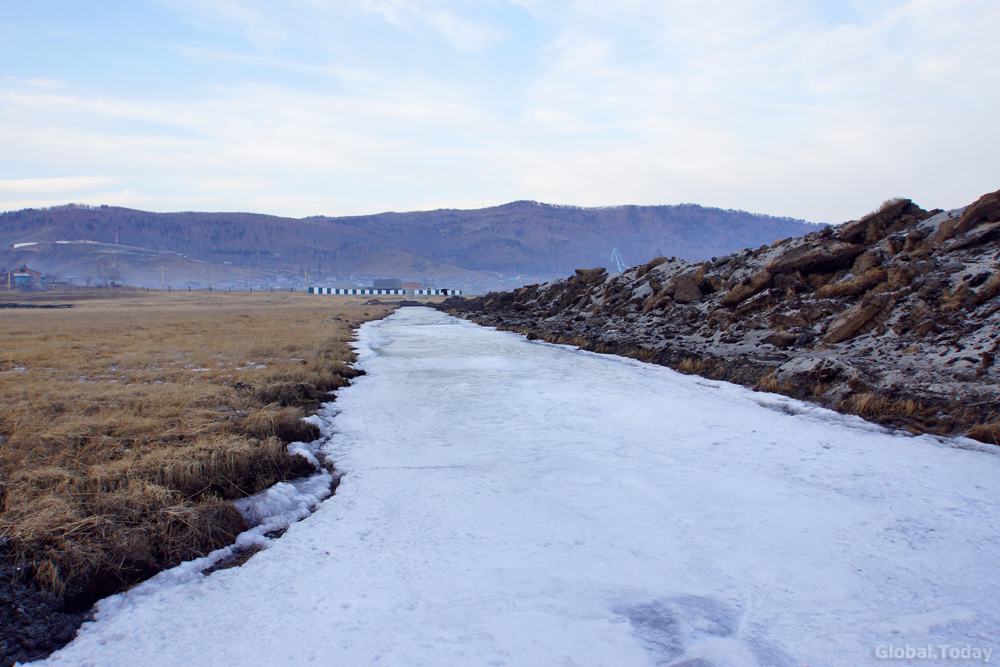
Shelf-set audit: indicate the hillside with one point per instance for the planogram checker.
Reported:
(894, 317)
(498, 246)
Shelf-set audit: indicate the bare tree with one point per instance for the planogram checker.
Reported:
(108, 269)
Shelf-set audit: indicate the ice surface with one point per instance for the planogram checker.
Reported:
(507, 502)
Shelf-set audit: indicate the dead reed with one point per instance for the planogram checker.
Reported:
(768, 382)
(871, 406)
(988, 432)
(131, 421)
(691, 366)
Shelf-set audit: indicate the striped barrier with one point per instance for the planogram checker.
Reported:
(356, 291)
(437, 292)
(386, 292)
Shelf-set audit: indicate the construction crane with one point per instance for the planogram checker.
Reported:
(616, 257)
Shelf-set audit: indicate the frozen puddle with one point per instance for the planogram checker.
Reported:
(516, 503)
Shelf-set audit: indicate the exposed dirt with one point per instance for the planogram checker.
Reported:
(32, 623)
(894, 317)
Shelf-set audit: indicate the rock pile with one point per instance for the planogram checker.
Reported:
(894, 316)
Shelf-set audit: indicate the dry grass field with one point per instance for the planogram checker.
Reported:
(131, 420)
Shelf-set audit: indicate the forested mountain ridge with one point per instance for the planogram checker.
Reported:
(523, 238)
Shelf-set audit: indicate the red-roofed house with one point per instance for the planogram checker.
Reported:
(22, 277)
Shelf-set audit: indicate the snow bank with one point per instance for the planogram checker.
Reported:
(286, 502)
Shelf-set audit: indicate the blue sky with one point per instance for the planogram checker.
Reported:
(818, 110)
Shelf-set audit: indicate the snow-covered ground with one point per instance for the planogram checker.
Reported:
(516, 503)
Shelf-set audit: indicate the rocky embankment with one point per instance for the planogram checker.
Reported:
(894, 317)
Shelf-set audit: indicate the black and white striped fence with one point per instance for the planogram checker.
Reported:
(437, 292)
(375, 292)
(352, 290)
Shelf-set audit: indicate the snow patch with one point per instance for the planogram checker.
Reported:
(935, 221)
(923, 622)
(286, 502)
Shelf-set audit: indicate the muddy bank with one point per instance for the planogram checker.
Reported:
(33, 623)
(894, 317)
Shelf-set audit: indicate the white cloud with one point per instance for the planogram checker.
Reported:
(261, 24)
(769, 106)
(450, 22)
(205, 54)
(38, 185)
(125, 198)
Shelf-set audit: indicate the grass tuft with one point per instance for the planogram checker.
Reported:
(769, 383)
(873, 406)
(987, 432)
(691, 366)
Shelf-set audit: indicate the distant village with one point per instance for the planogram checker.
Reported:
(25, 278)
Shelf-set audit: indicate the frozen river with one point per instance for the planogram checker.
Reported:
(516, 503)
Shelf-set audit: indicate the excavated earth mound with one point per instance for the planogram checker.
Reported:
(894, 317)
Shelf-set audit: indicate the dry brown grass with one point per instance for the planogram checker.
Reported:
(770, 383)
(130, 422)
(854, 287)
(988, 432)
(873, 406)
(691, 366)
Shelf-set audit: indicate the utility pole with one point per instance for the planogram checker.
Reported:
(161, 278)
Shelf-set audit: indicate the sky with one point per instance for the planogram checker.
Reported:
(812, 109)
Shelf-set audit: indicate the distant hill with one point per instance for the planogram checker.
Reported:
(514, 243)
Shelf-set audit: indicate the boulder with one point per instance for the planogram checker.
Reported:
(698, 277)
(591, 276)
(791, 283)
(789, 320)
(782, 339)
(984, 210)
(862, 318)
(855, 286)
(811, 371)
(989, 290)
(816, 257)
(893, 214)
(715, 283)
(747, 288)
(646, 268)
(976, 237)
(686, 291)
(758, 303)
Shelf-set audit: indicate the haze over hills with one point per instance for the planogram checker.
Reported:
(493, 247)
